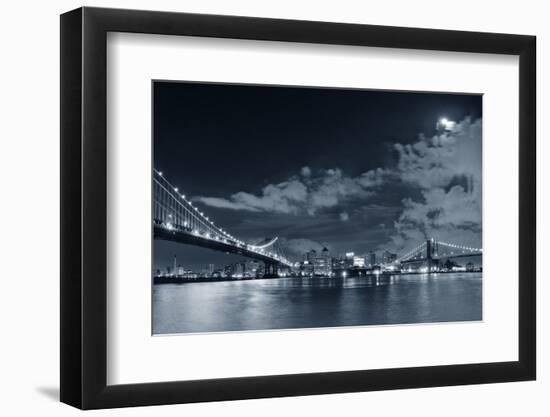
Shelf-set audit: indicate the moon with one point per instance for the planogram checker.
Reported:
(446, 124)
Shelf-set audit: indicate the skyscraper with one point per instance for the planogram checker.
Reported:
(371, 257)
(322, 264)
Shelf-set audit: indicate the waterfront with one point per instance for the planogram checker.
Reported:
(292, 303)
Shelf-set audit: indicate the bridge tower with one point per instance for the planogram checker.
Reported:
(429, 253)
(271, 270)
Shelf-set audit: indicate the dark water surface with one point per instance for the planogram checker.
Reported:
(290, 303)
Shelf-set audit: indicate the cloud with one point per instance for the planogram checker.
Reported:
(435, 185)
(434, 162)
(306, 194)
(447, 170)
(296, 248)
(223, 203)
(284, 197)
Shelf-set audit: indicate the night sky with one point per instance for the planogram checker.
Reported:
(353, 170)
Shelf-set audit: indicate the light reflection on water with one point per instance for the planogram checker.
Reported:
(290, 303)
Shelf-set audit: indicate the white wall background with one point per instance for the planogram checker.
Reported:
(29, 177)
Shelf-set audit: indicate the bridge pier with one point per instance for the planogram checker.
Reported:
(271, 270)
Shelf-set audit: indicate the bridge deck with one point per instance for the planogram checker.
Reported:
(163, 233)
(438, 258)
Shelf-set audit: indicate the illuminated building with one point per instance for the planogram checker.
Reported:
(359, 261)
(322, 264)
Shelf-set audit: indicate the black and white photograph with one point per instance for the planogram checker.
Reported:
(301, 207)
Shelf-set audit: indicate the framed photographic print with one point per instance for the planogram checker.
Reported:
(257, 207)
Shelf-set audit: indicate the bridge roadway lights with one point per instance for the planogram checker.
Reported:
(162, 233)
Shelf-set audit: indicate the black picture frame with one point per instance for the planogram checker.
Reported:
(84, 207)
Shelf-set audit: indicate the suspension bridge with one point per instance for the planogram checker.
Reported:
(177, 219)
(432, 252)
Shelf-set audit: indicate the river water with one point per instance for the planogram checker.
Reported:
(290, 303)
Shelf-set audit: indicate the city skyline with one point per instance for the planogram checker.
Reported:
(357, 182)
(323, 264)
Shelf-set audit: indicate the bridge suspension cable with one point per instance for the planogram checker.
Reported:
(174, 209)
(436, 244)
(265, 245)
(412, 252)
(460, 247)
(174, 212)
